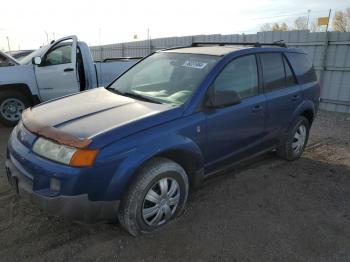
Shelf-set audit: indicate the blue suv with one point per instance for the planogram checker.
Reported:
(134, 150)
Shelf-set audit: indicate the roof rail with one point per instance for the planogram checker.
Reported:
(255, 44)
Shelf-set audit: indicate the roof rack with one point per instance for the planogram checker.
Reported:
(255, 44)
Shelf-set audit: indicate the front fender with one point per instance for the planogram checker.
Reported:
(136, 158)
(20, 74)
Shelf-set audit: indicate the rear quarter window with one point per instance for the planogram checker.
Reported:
(302, 67)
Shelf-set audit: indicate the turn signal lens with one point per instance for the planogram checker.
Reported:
(83, 158)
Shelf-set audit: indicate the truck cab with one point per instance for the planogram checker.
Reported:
(64, 67)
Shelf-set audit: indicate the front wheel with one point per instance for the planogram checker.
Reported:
(295, 143)
(12, 105)
(156, 196)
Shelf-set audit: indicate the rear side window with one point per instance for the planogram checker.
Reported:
(273, 71)
(302, 67)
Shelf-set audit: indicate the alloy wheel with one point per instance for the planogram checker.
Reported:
(11, 109)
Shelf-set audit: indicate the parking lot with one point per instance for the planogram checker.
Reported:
(270, 210)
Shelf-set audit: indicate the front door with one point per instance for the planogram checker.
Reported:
(236, 131)
(56, 75)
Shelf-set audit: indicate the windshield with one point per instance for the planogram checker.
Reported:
(28, 58)
(165, 77)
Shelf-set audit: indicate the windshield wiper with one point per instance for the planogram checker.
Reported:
(140, 97)
(134, 95)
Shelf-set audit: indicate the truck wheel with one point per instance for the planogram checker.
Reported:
(12, 105)
(156, 196)
(296, 141)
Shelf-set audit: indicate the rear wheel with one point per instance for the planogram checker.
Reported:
(293, 147)
(12, 105)
(157, 195)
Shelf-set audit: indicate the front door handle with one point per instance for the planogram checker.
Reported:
(68, 69)
(257, 108)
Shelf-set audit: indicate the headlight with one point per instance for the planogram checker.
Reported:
(64, 154)
(53, 151)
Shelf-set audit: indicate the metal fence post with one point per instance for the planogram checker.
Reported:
(324, 59)
(325, 52)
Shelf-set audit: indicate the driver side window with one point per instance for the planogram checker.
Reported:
(240, 75)
(59, 55)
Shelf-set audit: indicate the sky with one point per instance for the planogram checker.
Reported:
(29, 23)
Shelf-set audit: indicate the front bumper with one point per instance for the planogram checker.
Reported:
(77, 207)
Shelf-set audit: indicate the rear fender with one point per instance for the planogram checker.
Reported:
(304, 106)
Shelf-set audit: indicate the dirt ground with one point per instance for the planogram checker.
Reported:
(272, 210)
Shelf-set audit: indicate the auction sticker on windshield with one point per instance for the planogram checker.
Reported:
(194, 64)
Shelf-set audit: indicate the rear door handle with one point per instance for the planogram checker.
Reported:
(68, 69)
(295, 98)
(257, 108)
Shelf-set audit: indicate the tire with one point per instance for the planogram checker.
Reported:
(11, 106)
(134, 212)
(293, 147)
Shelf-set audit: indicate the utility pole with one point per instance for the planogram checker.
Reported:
(325, 51)
(308, 18)
(329, 18)
(149, 41)
(47, 37)
(99, 43)
(8, 44)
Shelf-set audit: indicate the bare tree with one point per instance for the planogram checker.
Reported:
(279, 27)
(276, 27)
(348, 18)
(284, 27)
(301, 23)
(314, 27)
(266, 27)
(340, 21)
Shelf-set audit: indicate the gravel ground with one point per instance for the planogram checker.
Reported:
(271, 210)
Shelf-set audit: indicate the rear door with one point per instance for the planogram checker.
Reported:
(235, 132)
(282, 93)
(57, 75)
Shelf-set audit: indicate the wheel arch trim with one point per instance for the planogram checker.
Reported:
(176, 144)
(21, 88)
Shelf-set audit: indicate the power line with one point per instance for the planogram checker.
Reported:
(288, 15)
(278, 16)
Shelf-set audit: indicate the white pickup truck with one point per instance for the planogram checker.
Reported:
(64, 67)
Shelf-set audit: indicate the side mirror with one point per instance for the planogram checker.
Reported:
(219, 99)
(36, 60)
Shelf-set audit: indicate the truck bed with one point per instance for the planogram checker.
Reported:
(110, 69)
